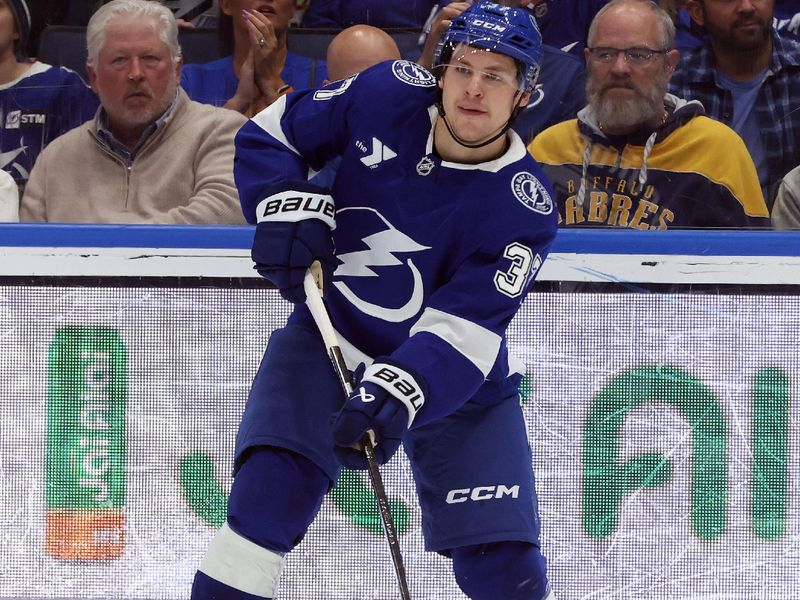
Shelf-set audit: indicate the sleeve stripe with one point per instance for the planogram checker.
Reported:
(478, 345)
(269, 120)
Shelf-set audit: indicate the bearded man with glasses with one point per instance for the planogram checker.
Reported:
(636, 156)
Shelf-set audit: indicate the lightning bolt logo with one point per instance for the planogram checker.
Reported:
(7, 158)
(381, 253)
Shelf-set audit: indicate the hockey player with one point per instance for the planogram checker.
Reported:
(559, 93)
(440, 221)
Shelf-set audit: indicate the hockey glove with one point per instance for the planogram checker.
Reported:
(385, 401)
(293, 229)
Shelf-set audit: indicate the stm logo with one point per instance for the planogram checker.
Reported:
(17, 119)
(484, 492)
(380, 153)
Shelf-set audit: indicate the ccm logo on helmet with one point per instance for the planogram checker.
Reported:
(488, 25)
(484, 492)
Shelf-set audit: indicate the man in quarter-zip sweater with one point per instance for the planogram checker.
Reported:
(151, 155)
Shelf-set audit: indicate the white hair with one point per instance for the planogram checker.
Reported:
(664, 21)
(160, 15)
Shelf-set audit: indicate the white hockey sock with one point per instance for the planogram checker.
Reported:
(239, 563)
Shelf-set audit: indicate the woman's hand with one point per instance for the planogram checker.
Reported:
(267, 57)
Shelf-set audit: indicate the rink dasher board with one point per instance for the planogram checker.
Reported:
(559, 267)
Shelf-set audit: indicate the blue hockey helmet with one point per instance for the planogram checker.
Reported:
(501, 29)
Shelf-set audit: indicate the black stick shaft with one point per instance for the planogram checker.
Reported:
(377, 481)
(386, 516)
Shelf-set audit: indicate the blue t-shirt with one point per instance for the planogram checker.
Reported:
(216, 82)
(744, 94)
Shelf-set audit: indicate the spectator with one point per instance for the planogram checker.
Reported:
(38, 102)
(338, 14)
(785, 20)
(786, 212)
(258, 66)
(559, 93)
(358, 48)
(9, 199)
(151, 155)
(637, 157)
(748, 77)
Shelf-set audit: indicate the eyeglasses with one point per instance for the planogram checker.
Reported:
(635, 56)
(494, 79)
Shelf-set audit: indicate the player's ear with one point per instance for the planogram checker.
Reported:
(524, 99)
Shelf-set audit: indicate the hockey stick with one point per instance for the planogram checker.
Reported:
(323, 321)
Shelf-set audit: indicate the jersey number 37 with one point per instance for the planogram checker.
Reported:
(524, 266)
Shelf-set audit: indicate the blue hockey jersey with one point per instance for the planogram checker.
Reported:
(434, 257)
(559, 94)
(565, 23)
(38, 107)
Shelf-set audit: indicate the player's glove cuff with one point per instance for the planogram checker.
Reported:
(294, 201)
(401, 383)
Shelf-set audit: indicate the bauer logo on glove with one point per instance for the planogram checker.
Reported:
(294, 230)
(292, 206)
(400, 384)
(385, 403)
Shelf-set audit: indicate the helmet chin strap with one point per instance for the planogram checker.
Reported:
(514, 113)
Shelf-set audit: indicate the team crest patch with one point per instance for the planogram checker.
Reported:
(532, 193)
(412, 74)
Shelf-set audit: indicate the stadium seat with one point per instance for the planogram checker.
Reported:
(64, 46)
(199, 45)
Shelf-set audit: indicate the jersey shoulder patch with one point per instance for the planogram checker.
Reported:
(531, 193)
(412, 74)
